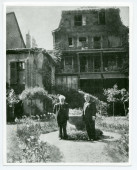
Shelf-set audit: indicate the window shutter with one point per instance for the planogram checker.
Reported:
(13, 73)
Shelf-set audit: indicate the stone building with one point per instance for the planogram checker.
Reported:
(92, 42)
(14, 37)
(26, 66)
(29, 68)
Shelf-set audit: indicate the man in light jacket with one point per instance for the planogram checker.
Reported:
(89, 114)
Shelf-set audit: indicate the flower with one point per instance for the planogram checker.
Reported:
(32, 137)
(16, 120)
(28, 139)
(27, 126)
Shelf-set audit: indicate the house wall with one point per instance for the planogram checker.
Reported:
(91, 29)
(35, 68)
(13, 58)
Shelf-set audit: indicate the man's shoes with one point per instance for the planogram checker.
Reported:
(65, 137)
(60, 137)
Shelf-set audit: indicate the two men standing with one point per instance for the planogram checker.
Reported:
(61, 110)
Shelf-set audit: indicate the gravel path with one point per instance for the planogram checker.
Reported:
(82, 151)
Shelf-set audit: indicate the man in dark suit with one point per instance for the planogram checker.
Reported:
(61, 110)
(89, 114)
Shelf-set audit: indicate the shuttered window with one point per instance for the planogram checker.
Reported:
(17, 72)
(13, 73)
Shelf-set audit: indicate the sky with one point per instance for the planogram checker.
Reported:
(40, 21)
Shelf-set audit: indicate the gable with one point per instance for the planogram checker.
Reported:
(14, 37)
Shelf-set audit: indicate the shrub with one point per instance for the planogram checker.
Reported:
(36, 93)
(82, 135)
(100, 105)
(77, 134)
(32, 150)
(11, 100)
(113, 124)
(119, 150)
(73, 97)
(115, 96)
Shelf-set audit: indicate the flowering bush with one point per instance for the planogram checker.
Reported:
(34, 93)
(113, 124)
(119, 148)
(102, 108)
(112, 95)
(12, 98)
(31, 149)
(124, 99)
(115, 95)
(82, 135)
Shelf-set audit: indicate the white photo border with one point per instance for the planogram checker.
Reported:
(122, 4)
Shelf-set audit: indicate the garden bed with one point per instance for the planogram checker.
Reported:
(25, 145)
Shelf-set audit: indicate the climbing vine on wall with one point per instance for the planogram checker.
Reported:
(47, 75)
(114, 23)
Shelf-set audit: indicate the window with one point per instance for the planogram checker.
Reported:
(70, 41)
(83, 20)
(78, 20)
(17, 74)
(83, 64)
(97, 64)
(102, 20)
(110, 62)
(20, 66)
(68, 60)
(97, 42)
(82, 41)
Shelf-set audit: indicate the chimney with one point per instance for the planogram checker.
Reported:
(34, 44)
(28, 40)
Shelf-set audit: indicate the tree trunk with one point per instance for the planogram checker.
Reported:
(30, 107)
(13, 112)
(113, 109)
(124, 108)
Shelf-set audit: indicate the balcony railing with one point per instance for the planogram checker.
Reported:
(69, 69)
(97, 45)
(74, 69)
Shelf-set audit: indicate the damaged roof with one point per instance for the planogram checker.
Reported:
(49, 54)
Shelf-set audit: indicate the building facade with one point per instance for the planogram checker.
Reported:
(25, 66)
(92, 42)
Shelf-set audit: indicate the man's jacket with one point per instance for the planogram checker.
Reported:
(62, 112)
(89, 110)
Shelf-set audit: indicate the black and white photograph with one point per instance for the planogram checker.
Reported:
(67, 84)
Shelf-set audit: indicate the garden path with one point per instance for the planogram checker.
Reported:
(82, 151)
